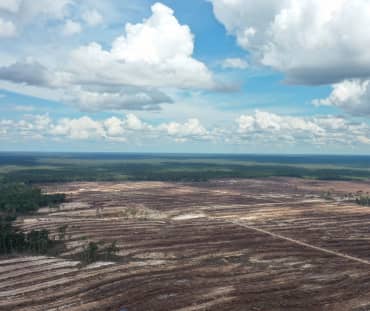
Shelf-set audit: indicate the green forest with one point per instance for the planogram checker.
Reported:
(59, 167)
(19, 199)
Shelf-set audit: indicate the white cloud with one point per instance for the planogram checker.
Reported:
(23, 12)
(92, 18)
(71, 28)
(352, 96)
(31, 9)
(16, 15)
(33, 126)
(82, 128)
(111, 129)
(41, 122)
(147, 60)
(269, 128)
(7, 29)
(24, 108)
(37, 80)
(132, 122)
(260, 128)
(154, 53)
(10, 5)
(114, 126)
(118, 98)
(4, 125)
(364, 140)
(270, 122)
(191, 129)
(311, 41)
(30, 73)
(235, 63)
(5, 122)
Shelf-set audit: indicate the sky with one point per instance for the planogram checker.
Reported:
(207, 76)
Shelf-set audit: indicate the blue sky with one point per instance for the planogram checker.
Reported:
(185, 76)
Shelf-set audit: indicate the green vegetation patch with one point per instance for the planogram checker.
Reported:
(18, 199)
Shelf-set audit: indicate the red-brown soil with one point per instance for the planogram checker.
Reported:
(271, 244)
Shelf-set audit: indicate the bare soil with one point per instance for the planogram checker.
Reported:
(268, 244)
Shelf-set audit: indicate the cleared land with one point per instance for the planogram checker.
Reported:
(268, 244)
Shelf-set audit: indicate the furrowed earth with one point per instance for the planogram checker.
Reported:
(267, 244)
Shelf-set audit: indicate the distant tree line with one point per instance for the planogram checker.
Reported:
(19, 199)
(173, 171)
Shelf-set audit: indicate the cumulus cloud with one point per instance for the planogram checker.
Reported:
(23, 12)
(93, 97)
(259, 128)
(234, 63)
(110, 129)
(27, 10)
(311, 41)
(7, 29)
(114, 126)
(132, 122)
(33, 126)
(82, 128)
(352, 96)
(364, 140)
(147, 60)
(263, 121)
(10, 5)
(191, 129)
(92, 18)
(27, 72)
(154, 53)
(118, 98)
(71, 28)
(4, 125)
(265, 127)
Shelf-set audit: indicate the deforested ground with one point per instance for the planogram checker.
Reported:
(266, 244)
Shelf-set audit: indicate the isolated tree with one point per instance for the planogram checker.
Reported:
(90, 253)
(62, 232)
(111, 250)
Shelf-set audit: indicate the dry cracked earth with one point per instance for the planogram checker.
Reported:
(270, 244)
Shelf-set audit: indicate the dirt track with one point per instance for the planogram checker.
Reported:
(224, 245)
(321, 249)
